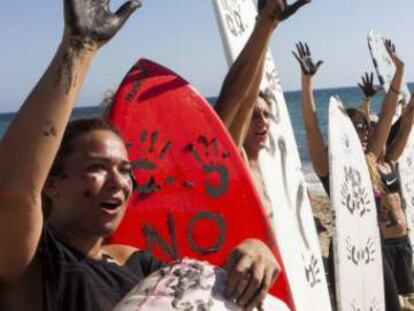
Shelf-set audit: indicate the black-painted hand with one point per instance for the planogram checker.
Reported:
(252, 270)
(92, 20)
(393, 54)
(309, 68)
(367, 86)
(281, 9)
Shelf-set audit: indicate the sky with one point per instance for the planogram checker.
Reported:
(183, 35)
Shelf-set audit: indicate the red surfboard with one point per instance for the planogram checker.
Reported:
(194, 196)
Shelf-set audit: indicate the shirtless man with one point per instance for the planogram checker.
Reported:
(246, 112)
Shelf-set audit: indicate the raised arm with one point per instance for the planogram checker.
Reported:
(241, 85)
(316, 146)
(397, 147)
(369, 90)
(377, 141)
(31, 142)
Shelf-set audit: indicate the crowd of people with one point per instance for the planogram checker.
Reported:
(383, 144)
(57, 207)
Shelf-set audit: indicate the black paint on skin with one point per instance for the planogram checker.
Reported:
(388, 218)
(87, 194)
(285, 10)
(66, 71)
(367, 86)
(90, 23)
(152, 238)
(309, 68)
(49, 130)
(92, 20)
(221, 237)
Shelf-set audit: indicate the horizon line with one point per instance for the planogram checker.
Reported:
(215, 96)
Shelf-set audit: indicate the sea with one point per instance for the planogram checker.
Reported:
(350, 97)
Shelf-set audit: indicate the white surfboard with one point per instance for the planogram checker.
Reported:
(280, 164)
(357, 245)
(384, 66)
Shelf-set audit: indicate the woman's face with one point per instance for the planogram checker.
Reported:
(91, 195)
(258, 131)
(362, 127)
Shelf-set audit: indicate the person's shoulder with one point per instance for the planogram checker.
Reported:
(121, 253)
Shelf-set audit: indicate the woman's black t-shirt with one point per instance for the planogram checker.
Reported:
(72, 282)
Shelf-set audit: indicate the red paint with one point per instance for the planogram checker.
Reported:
(154, 107)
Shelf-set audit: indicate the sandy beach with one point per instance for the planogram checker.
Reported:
(321, 210)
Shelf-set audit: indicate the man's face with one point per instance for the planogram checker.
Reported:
(258, 131)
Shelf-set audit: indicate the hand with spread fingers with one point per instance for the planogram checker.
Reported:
(91, 21)
(252, 270)
(280, 9)
(367, 86)
(389, 45)
(303, 56)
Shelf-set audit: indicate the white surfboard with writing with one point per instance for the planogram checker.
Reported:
(357, 245)
(385, 67)
(280, 164)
